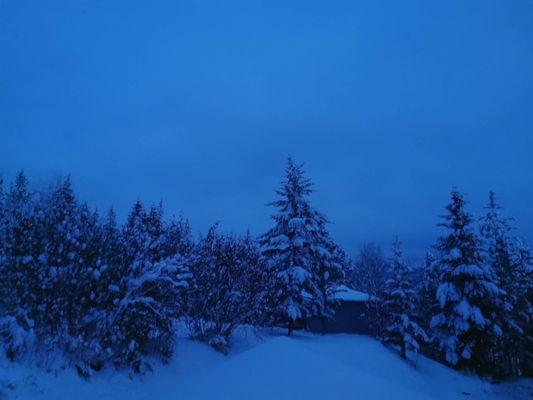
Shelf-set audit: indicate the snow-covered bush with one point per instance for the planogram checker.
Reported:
(142, 324)
(146, 289)
(226, 287)
(81, 287)
(17, 338)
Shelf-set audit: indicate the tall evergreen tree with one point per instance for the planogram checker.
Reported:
(20, 283)
(467, 294)
(177, 237)
(330, 264)
(498, 246)
(428, 286)
(3, 227)
(60, 262)
(427, 293)
(252, 283)
(399, 307)
(2, 220)
(111, 249)
(504, 254)
(522, 343)
(297, 252)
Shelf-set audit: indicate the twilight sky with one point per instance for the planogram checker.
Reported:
(198, 103)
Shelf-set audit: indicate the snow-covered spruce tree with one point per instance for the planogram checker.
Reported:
(3, 226)
(99, 295)
(330, 261)
(19, 281)
(523, 308)
(467, 295)
(177, 237)
(2, 220)
(399, 307)
(298, 253)
(65, 255)
(46, 265)
(426, 295)
(427, 288)
(252, 281)
(504, 254)
(61, 267)
(111, 269)
(252, 285)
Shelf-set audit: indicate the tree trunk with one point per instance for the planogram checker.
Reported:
(290, 327)
(403, 353)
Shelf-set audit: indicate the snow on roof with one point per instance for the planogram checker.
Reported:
(344, 293)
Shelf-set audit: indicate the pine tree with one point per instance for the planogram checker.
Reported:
(19, 283)
(498, 247)
(136, 240)
(522, 342)
(110, 271)
(296, 250)
(427, 293)
(428, 286)
(330, 262)
(19, 233)
(3, 228)
(399, 305)
(504, 255)
(178, 238)
(467, 294)
(60, 264)
(2, 221)
(110, 241)
(252, 283)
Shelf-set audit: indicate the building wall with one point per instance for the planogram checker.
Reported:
(350, 317)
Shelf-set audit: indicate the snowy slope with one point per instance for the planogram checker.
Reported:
(269, 367)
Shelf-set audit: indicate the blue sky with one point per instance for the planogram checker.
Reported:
(198, 103)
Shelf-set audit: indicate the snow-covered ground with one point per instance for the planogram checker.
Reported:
(268, 365)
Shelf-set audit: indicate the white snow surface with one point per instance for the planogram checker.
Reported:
(267, 365)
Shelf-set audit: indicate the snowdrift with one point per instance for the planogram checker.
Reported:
(267, 365)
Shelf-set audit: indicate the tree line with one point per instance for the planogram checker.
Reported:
(99, 293)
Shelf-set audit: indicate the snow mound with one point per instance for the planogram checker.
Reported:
(269, 366)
